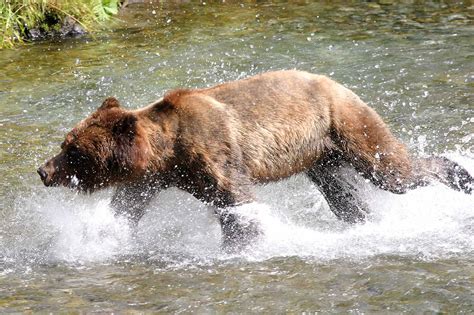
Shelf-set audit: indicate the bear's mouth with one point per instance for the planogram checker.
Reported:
(83, 186)
(69, 181)
(55, 173)
(74, 182)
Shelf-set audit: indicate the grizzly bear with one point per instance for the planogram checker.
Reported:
(216, 142)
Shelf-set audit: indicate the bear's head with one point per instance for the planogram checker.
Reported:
(106, 148)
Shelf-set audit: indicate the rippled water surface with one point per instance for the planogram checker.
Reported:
(414, 63)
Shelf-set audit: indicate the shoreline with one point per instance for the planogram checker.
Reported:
(28, 21)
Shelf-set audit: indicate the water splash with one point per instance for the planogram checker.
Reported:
(428, 222)
(57, 225)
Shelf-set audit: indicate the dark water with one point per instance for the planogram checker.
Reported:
(414, 63)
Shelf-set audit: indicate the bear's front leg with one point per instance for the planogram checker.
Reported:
(238, 231)
(131, 199)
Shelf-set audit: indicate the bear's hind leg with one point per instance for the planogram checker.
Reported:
(446, 172)
(340, 195)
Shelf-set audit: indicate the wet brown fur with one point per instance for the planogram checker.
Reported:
(216, 142)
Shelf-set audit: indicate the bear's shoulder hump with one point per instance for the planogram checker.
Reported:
(175, 97)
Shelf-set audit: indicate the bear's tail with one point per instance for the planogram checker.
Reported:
(444, 171)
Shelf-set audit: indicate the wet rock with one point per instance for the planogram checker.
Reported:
(71, 27)
(68, 28)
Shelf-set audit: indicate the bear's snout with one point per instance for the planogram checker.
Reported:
(46, 174)
(42, 173)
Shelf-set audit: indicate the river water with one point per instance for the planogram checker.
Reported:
(62, 251)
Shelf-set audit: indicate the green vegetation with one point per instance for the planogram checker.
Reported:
(25, 19)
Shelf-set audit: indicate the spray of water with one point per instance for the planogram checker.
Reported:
(58, 225)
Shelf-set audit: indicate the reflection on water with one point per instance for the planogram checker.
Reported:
(411, 62)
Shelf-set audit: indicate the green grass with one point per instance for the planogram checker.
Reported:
(18, 17)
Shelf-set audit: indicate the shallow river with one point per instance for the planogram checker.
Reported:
(62, 251)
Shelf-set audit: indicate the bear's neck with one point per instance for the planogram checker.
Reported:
(158, 131)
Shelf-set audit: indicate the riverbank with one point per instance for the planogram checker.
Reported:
(26, 20)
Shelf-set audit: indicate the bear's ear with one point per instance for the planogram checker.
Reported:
(125, 129)
(110, 102)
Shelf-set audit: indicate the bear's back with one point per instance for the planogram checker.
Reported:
(284, 118)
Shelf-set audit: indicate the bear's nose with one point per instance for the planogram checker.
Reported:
(42, 173)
